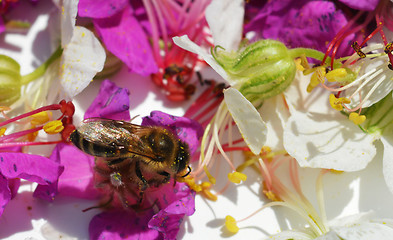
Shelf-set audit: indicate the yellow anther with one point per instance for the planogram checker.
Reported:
(53, 127)
(2, 131)
(356, 118)
(40, 118)
(317, 77)
(336, 171)
(266, 149)
(4, 108)
(337, 103)
(237, 177)
(298, 64)
(336, 75)
(206, 186)
(190, 181)
(211, 178)
(271, 196)
(230, 224)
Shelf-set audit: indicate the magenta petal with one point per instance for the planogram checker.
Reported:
(111, 102)
(14, 185)
(303, 23)
(121, 224)
(33, 168)
(77, 179)
(124, 37)
(5, 193)
(175, 203)
(100, 8)
(365, 5)
(2, 26)
(187, 130)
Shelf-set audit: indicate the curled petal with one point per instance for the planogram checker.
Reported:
(247, 118)
(185, 43)
(365, 5)
(82, 58)
(111, 102)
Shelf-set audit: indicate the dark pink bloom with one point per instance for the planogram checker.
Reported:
(365, 5)
(303, 23)
(33, 168)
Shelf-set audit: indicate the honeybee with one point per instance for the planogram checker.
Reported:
(130, 158)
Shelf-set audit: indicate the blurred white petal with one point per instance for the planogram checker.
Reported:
(227, 26)
(82, 58)
(247, 118)
(387, 140)
(69, 10)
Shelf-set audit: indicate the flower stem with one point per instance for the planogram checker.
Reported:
(311, 53)
(42, 69)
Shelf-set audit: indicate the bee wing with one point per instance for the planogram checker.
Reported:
(118, 137)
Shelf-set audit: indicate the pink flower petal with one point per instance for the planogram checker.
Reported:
(188, 130)
(303, 23)
(365, 5)
(111, 102)
(30, 167)
(100, 8)
(121, 224)
(14, 185)
(5, 193)
(124, 37)
(175, 203)
(77, 178)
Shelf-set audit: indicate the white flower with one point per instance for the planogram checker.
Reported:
(318, 136)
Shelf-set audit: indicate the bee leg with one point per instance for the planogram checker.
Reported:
(138, 172)
(166, 175)
(116, 161)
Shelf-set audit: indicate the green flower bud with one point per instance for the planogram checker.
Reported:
(263, 69)
(10, 81)
(379, 116)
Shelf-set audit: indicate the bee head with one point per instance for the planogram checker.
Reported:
(182, 158)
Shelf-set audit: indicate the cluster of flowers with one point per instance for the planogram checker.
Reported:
(320, 73)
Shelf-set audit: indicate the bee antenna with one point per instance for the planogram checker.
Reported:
(105, 204)
(189, 171)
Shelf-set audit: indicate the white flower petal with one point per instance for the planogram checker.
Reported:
(185, 43)
(320, 137)
(387, 140)
(275, 114)
(382, 81)
(291, 234)
(247, 118)
(69, 10)
(365, 231)
(225, 19)
(82, 58)
(327, 141)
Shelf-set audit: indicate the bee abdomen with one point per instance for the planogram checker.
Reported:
(91, 148)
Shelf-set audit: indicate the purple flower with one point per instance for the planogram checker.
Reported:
(311, 24)
(121, 33)
(186, 129)
(111, 102)
(166, 205)
(33, 168)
